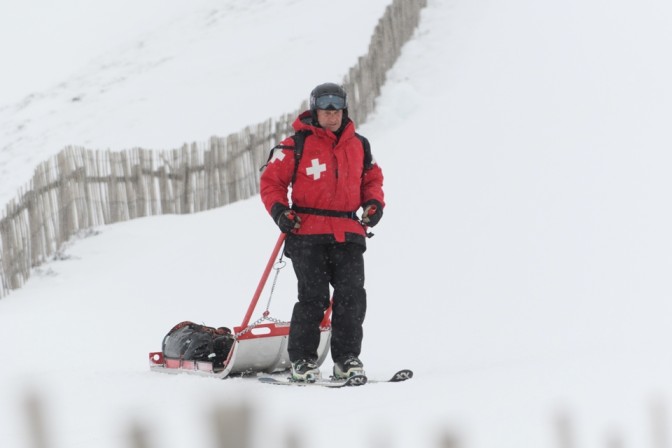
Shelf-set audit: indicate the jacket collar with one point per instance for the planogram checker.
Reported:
(304, 122)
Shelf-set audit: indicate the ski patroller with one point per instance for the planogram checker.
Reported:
(260, 346)
(354, 380)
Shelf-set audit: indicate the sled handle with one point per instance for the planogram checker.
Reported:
(262, 282)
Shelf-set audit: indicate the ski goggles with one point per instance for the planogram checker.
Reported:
(330, 102)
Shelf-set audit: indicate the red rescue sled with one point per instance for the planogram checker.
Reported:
(257, 347)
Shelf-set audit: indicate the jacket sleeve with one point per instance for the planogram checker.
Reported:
(277, 175)
(372, 185)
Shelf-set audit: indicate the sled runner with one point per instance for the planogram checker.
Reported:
(260, 346)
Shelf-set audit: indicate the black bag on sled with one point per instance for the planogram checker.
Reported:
(195, 342)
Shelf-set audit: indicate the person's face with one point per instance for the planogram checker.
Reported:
(330, 119)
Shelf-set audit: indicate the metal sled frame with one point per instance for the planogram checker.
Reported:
(260, 347)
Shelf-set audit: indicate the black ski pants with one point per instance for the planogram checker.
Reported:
(317, 266)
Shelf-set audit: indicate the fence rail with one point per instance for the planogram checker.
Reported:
(79, 188)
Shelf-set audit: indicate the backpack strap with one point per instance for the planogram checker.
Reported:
(368, 158)
(299, 139)
(270, 155)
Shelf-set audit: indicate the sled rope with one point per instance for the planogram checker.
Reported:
(280, 264)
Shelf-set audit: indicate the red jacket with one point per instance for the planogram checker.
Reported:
(330, 176)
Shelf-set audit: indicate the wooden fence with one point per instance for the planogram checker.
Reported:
(232, 426)
(80, 188)
(227, 425)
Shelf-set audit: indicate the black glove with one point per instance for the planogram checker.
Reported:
(285, 218)
(373, 211)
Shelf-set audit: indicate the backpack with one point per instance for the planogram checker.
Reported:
(299, 139)
(195, 342)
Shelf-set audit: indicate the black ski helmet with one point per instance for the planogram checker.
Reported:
(328, 96)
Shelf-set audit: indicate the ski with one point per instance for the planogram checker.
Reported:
(402, 375)
(355, 380)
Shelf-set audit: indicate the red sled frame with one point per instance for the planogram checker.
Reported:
(257, 347)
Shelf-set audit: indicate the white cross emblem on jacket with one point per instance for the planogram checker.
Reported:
(277, 155)
(316, 169)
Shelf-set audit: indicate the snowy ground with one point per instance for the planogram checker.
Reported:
(521, 269)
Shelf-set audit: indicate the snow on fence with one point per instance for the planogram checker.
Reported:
(79, 188)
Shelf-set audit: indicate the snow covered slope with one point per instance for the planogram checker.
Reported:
(521, 268)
